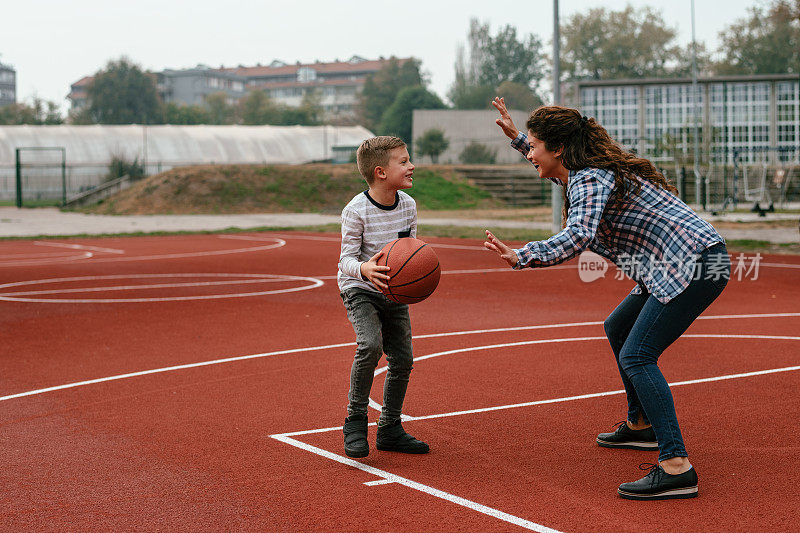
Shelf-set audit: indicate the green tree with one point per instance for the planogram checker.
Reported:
(432, 143)
(256, 107)
(124, 94)
(490, 60)
(472, 96)
(477, 154)
(185, 114)
(382, 87)
(631, 43)
(765, 42)
(39, 112)
(311, 105)
(518, 96)
(510, 59)
(398, 118)
(219, 110)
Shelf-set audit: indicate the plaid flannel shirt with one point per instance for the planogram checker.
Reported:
(653, 236)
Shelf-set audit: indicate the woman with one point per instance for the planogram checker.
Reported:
(621, 207)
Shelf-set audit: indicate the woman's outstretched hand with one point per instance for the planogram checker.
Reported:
(505, 122)
(507, 254)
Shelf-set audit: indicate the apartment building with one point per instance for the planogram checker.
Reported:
(336, 84)
(749, 115)
(8, 85)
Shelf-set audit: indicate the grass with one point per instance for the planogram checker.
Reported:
(433, 192)
(31, 203)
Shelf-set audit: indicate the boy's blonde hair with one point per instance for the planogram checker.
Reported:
(374, 153)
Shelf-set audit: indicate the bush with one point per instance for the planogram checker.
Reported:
(120, 166)
(476, 153)
(432, 143)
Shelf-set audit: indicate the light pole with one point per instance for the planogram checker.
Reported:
(557, 199)
(695, 115)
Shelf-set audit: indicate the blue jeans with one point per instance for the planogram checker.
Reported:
(381, 326)
(641, 328)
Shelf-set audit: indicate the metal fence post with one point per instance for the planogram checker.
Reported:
(19, 179)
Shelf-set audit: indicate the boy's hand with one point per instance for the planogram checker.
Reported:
(505, 122)
(496, 245)
(373, 272)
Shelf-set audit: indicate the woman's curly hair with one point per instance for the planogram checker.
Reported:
(585, 143)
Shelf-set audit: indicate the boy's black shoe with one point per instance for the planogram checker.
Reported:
(393, 438)
(355, 436)
(658, 485)
(625, 437)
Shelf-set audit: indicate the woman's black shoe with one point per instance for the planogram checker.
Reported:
(625, 437)
(658, 485)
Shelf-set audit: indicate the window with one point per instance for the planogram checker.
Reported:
(306, 74)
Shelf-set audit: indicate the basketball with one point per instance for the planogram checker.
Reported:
(414, 270)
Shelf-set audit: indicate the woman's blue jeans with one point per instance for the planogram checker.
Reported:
(641, 328)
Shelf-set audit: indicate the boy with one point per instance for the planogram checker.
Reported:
(370, 221)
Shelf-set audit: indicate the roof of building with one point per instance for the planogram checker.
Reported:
(683, 80)
(83, 82)
(336, 66)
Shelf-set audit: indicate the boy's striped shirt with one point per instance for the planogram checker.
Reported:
(368, 226)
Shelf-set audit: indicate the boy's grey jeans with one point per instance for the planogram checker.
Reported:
(381, 326)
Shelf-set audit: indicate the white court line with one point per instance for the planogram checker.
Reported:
(279, 243)
(78, 247)
(388, 477)
(46, 259)
(277, 279)
(393, 478)
(335, 346)
(377, 406)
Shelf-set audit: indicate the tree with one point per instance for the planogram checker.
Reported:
(39, 112)
(518, 96)
(477, 154)
(432, 143)
(185, 114)
(219, 110)
(382, 87)
(472, 96)
(124, 94)
(398, 118)
(256, 107)
(631, 43)
(493, 60)
(509, 59)
(766, 42)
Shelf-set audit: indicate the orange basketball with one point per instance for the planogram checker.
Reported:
(414, 270)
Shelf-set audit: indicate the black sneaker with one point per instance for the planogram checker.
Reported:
(355, 436)
(658, 485)
(393, 438)
(625, 437)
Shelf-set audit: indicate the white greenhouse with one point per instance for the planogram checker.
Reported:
(85, 152)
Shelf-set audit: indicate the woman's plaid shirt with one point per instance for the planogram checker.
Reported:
(653, 236)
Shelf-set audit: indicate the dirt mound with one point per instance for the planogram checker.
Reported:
(313, 188)
(211, 189)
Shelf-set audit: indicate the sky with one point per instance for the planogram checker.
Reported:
(54, 43)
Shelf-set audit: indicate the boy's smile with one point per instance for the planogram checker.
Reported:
(400, 170)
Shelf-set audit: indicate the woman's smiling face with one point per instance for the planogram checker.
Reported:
(547, 163)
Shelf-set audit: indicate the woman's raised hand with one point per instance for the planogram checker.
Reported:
(505, 122)
(507, 254)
